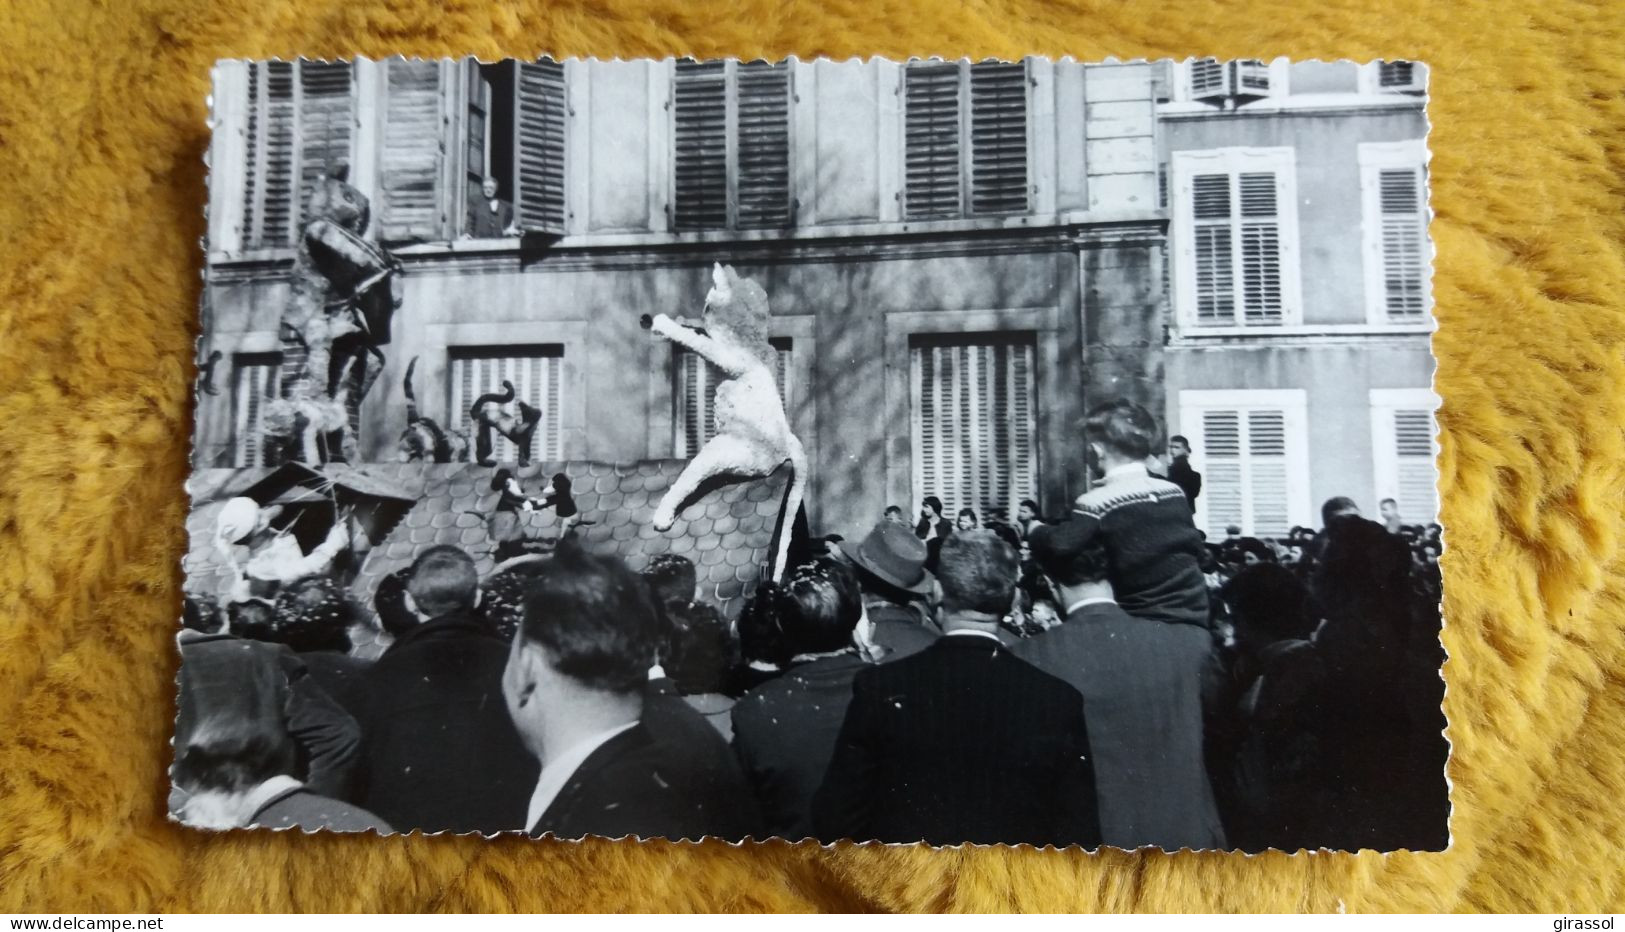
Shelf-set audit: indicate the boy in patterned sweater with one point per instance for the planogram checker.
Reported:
(1151, 540)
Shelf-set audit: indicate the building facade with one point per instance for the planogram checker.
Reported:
(1298, 358)
(960, 259)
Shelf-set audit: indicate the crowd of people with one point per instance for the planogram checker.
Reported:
(1107, 677)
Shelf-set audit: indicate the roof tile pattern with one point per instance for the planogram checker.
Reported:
(727, 532)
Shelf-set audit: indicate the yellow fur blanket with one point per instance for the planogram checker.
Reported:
(102, 133)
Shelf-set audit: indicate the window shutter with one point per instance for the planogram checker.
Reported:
(1245, 470)
(1266, 468)
(1417, 491)
(269, 176)
(411, 154)
(1400, 77)
(537, 376)
(931, 182)
(1403, 224)
(700, 111)
(998, 138)
(541, 110)
(1220, 444)
(972, 424)
(326, 116)
(1215, 254)
(763, 179)
(255, 384)
(1260, 248)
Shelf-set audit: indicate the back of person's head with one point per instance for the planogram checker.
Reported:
(254, 619)
(198, 614)
(698, 648)
(1268, 603)
(817, 606)
(594, 618)
(443, 580)
(1335, 507)
(761, 635)
(892, 511)
(389, 604)
(230, 723)
(1070, 553)
(672, 578)
(1255, 548)
(978, 573)
(1122, 427)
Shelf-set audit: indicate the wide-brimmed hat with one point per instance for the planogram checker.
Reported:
(892, 553)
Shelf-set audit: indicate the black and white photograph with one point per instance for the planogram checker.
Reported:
(948, 452)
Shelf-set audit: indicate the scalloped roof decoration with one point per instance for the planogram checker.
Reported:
(727, 531)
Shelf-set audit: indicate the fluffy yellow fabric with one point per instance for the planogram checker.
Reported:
(102, 134)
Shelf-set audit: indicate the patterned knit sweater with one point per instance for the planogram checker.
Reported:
(1152, 543)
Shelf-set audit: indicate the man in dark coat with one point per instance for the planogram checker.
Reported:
(575, 686)
(896, 590)
(1180, 472)
(963, 742)
(440, 751)
(1142, 684)
(785, 729)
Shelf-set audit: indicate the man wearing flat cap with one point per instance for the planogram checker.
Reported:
(1141, 682)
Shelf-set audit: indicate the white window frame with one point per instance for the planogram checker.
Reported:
(1280, 70)
(1293, 403)
(1384, 459)
(1374, 158)
(1183, 165)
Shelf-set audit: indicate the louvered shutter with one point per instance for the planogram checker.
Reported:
(695, 392)
(931, 145)
(762, 181)
(268, 213)
(1417, 491)
(326, 116)
(1266, 468)
(1403, 444)
(1260, 235)
(537, 376)
(700, 112)
(254, 385)
(1399, 76)
(412, 153)
(1248, 454)
(1403, 227)
(1214, 250)
(972, 424)
(541, 110)
(1220, 441)
(998, 138)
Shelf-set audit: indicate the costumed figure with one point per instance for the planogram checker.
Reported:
(303, 422)
(506, 415)
(343, 292)
(263, 559)
(753, 435)
(506, 523)
(424, 438)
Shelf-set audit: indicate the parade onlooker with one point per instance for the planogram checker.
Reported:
(1142, 683)
(441, 753)
(1154, 548)
(897, 589)
(785, 729)
(963, 742)
(575, 687)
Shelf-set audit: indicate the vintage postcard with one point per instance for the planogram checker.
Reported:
(1022, 452)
